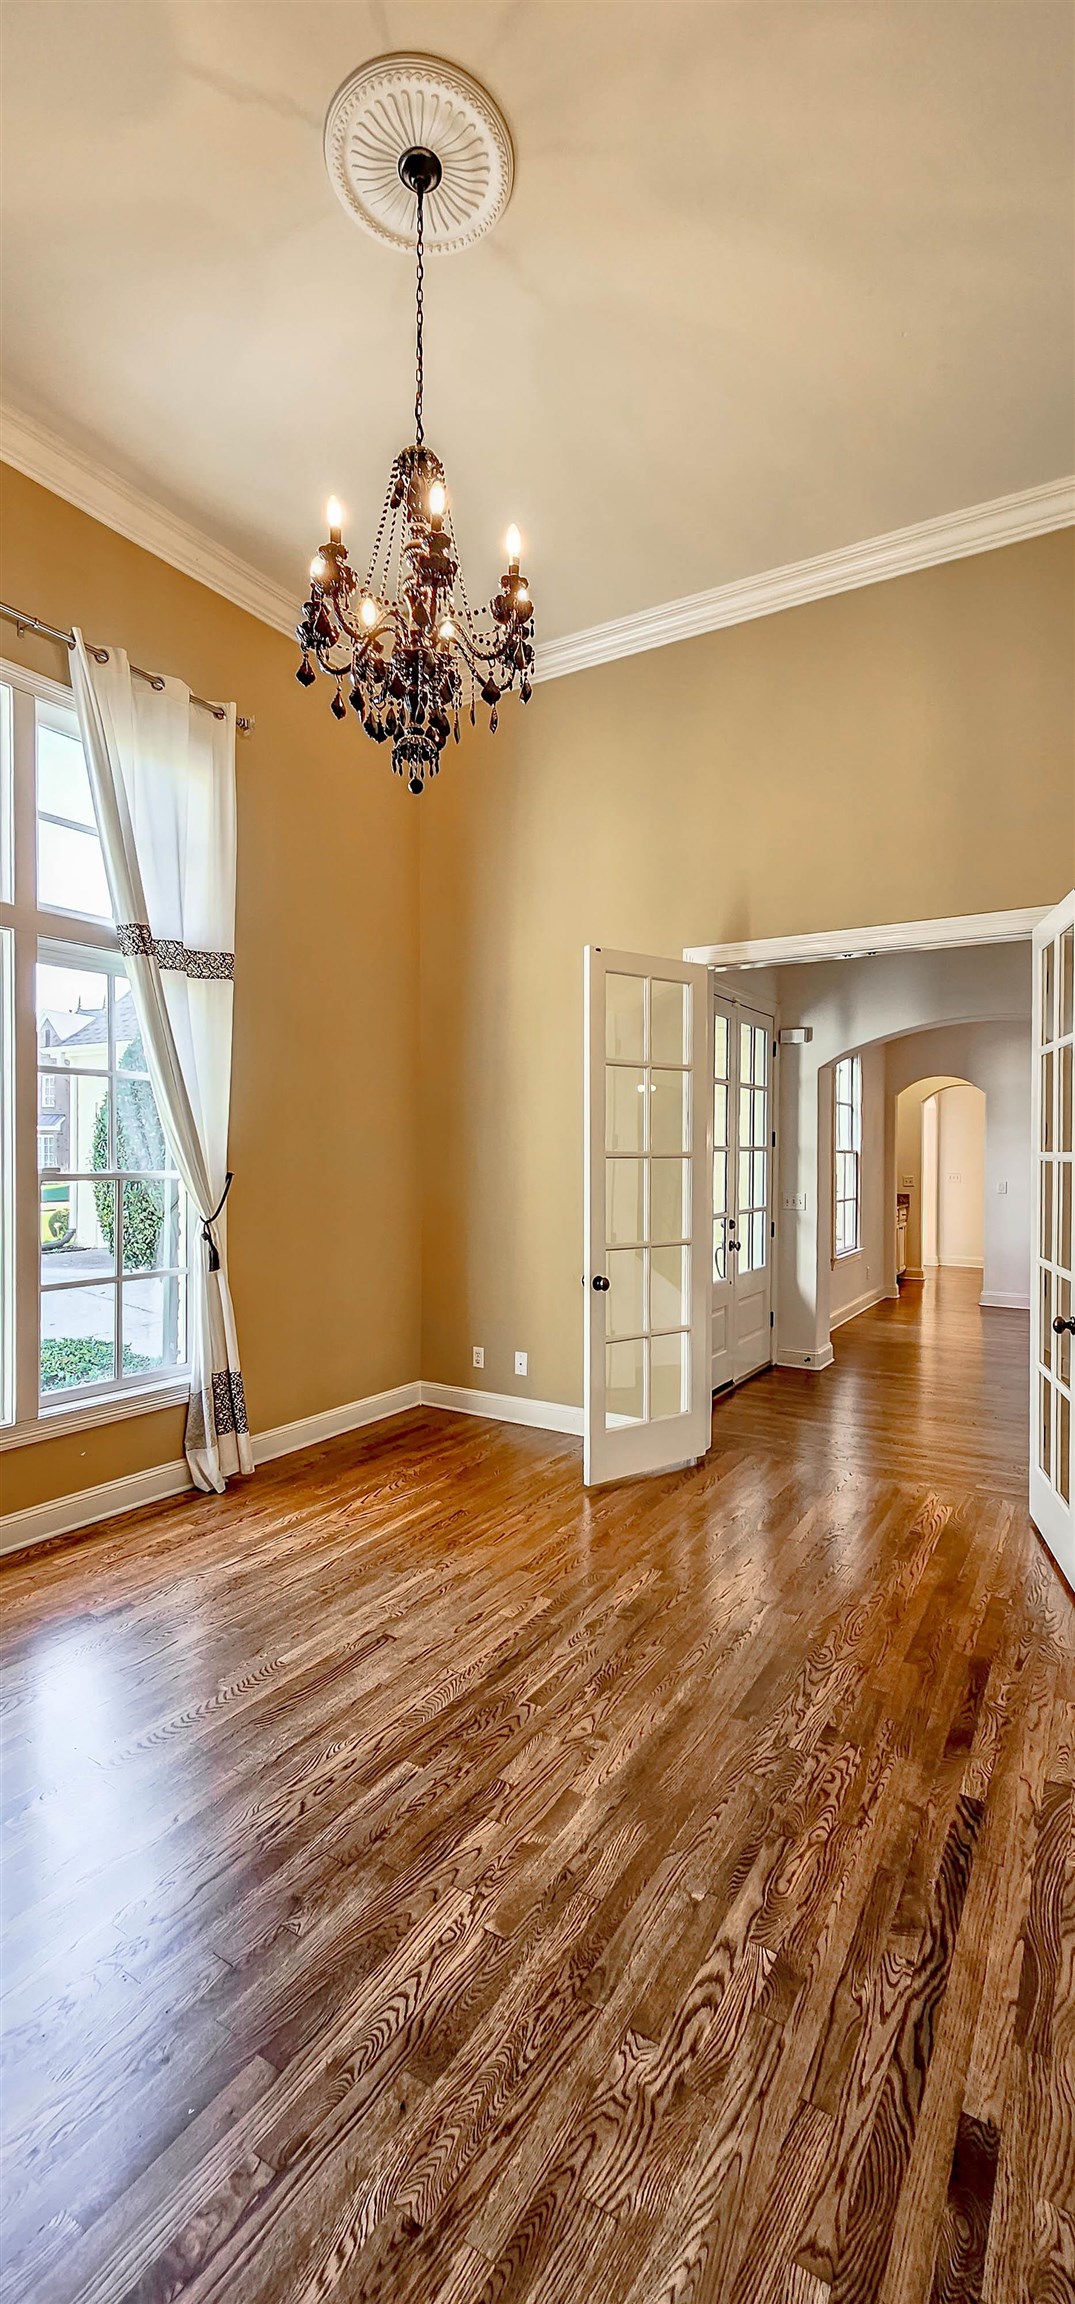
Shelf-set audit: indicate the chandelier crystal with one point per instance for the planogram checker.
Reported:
(404, 647)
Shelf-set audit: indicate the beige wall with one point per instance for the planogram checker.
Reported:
(408, 1047)
(960, 1178)
(323, 1217)
(898, 752)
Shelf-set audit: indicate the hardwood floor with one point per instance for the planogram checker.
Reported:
(427, 1883)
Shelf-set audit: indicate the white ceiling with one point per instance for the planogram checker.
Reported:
(774, 278)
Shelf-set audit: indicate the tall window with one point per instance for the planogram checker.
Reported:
(847, 1156)
(95, 1256)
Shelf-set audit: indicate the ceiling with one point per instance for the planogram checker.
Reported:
(773, 279)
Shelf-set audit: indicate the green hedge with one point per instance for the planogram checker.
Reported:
(80, 1359)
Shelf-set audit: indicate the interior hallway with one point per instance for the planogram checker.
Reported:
(430, 1883)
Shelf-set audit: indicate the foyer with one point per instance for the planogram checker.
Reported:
(428, 1880)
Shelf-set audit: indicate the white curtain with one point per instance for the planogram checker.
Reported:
(162, 769)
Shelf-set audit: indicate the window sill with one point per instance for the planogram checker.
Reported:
(846, 1256)
(54, 1422)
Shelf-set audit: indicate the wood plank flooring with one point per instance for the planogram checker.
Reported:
(427, 1884)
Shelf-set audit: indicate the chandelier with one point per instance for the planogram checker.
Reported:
(402, 645)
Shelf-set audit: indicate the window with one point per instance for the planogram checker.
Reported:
(94, 1270)
(847, 1156)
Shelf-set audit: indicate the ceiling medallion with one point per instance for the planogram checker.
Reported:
(398, 104)
(403, 646)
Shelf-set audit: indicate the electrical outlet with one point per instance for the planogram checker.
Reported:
(479, 1355)
(520, 1364)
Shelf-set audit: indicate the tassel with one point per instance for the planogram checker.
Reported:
(207, 1226)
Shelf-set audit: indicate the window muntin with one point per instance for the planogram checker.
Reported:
(94, 1278)
(847, 1156)
(113, 1218)
(70, 866)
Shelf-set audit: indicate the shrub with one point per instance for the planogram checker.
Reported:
(69, 1360)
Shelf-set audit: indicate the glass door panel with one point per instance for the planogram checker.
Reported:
(1052, 1427)
(742, 1190)
(648, 1165)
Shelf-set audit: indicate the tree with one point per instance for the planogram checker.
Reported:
(139, 1145)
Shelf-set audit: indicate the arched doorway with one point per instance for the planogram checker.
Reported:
(940, 1176)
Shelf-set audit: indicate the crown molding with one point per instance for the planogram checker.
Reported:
(79, 478)
(955, 536)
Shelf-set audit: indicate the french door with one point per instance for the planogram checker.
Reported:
(742, 1272)
(648, 1214)
(1052, 1422)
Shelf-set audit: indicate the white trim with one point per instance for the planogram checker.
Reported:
(504, 1408)
(954, 536)
(109, 1408)
(812, 1361)
(959, 1264)
(285, 1439)
(999, 1300)
(860, 1304)
(81, 479)
(62, 1515)
(37, 684)
(867, 943)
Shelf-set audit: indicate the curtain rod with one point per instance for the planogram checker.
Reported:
(25, 623)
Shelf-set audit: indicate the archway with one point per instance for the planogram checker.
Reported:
(940, 1176)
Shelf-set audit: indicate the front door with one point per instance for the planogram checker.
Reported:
(1052, 1316)
(648, 1224)
(742, 1275)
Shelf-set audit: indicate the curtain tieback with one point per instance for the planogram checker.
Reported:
(208, 1223)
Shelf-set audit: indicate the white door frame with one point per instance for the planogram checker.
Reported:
(866, 943)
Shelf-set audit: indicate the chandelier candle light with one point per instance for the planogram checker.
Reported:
(402, 645)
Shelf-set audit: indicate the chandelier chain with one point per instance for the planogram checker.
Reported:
(419, 346)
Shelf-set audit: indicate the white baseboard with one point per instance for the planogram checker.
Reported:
(504, 1407)
(860, 1304)
(809, 1360)
(64, 1515)
(958, 1264)
(285, 1439)
(912, 1272)
(998, 1301)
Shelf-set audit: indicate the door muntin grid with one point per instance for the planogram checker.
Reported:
(648, 1198)
(1055, 1291)
(752, 1188)
(741, 1146)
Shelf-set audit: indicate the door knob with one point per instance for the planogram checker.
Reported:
(599, 1281)
(1060, 1325)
